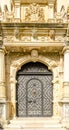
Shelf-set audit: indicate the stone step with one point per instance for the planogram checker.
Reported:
(46, 128)
(34, 124)
(35, 120)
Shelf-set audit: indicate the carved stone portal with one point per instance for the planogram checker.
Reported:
(16, 65)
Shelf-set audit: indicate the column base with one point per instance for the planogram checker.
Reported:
(17, 20)
(51, 21)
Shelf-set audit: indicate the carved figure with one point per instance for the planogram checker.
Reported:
(34, 34)
(52, 34)
(16, 33)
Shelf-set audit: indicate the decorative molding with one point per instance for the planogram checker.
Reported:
(34, 38)
(18, 63)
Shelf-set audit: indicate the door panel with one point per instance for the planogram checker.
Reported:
(34, 97)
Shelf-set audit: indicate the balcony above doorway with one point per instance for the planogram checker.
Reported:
(48, 37)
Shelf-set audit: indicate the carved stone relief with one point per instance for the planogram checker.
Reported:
(34, 13)
(50, 38)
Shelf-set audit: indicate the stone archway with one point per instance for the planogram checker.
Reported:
(34, 57)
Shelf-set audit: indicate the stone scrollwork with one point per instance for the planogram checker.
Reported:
(34, 13)
(6, 15)
(9, 39)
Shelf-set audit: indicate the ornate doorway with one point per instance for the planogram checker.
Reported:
(34, 93)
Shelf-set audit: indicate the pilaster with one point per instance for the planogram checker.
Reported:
(66, 87)
(17, 10)
(2, 86)
(51, 10)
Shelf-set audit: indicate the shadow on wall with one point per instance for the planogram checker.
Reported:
(1, 128)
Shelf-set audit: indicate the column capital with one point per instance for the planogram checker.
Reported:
(51, 2)
(17, 2)
(65, 49)
(51, 5)
(2, 49)
(66, 83)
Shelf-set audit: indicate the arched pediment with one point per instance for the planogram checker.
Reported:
(34, 58)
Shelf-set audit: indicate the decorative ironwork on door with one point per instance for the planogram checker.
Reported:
(34, 93)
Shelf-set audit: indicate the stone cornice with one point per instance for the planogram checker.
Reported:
(48, 37)
(28, 46)
(34, 24)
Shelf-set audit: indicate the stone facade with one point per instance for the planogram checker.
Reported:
(34, 31)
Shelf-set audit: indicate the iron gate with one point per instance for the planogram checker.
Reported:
(34, 93)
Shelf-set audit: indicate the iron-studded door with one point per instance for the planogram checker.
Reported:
(34, 91)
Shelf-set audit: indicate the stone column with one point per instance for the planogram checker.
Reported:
(2, 86)
(66, 86)
(66, 73)
(17, 10)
